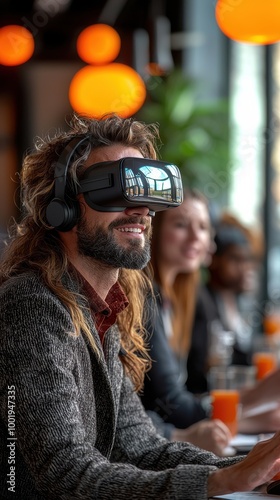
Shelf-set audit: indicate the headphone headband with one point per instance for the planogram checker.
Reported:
(61, 212)
(62, 166)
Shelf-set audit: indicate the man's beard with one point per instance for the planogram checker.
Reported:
(101, 245)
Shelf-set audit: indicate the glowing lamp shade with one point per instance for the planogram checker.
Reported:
(250, 21)
(16, 45)
(98, 44)
(113, 88)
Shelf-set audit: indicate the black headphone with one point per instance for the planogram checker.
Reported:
(63, 211)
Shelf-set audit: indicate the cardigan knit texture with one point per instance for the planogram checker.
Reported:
(80, 430)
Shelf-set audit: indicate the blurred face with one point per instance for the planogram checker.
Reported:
(234, 268)
(185, 236)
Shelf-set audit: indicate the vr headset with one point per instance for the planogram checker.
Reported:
(112, 186)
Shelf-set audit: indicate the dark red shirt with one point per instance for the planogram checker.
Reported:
(105, 312)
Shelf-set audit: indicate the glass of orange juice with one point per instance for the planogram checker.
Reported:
(271, 323)
(265, 362)
(225, 406)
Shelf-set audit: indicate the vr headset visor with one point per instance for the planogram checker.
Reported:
(113, 186)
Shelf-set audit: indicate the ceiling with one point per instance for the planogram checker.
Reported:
(55, 24)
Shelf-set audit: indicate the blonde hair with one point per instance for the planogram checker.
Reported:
(183, 293)
(37, 246)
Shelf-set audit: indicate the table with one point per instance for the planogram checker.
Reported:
(246, 495)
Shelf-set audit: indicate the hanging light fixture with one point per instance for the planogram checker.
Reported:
(104, 86)
(98, 44)
(249, 21)
(110, 88)
(16, 45)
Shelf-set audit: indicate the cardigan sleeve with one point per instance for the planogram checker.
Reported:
(138, 443)
(162, 427)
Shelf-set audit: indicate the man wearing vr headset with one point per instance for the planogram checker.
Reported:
(72, 354)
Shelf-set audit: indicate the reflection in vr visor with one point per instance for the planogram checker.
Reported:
(155, 182)
(113, 186)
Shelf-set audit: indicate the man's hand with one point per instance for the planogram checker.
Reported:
(258, 467)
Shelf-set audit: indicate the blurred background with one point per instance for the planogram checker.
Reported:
(217, 102)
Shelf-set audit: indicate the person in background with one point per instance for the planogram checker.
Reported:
(219, 317)
(181, 241)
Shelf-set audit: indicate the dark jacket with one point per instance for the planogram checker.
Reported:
(208, 309)
(164, 389)
(69, 417)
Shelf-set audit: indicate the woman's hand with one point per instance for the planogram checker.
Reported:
(212, 435)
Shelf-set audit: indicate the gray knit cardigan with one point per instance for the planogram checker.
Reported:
(71, 426)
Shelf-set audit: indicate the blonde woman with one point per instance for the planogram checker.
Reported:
(180, 243)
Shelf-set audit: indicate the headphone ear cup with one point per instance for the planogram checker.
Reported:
(62, 215)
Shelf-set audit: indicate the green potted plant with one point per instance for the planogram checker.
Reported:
(194, 133)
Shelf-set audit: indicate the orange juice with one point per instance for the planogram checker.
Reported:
(225, 407)
(271, 324)
(265, 362)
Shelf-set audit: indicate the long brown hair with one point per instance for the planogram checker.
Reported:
(183, 293)
(37, 246)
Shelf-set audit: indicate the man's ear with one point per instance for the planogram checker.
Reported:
(82, 204)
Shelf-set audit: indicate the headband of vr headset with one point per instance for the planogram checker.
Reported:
(112, 186)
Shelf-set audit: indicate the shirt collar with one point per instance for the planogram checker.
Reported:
(115, 302)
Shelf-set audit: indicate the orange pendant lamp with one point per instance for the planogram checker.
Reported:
(250, 21)
(104, 86)
(110, 88)
(98, 44)
(16, 45)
